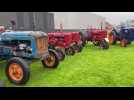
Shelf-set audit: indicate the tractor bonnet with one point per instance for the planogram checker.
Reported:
(14, 34)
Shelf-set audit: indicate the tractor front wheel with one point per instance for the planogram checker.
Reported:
(70, 51)
(80, 46)
(129, 42)
(76, 48)
(123, 43)
(83, 43)
(111, 39)
(17, 70)
(96, 43)
(104, 44)
(52, 60)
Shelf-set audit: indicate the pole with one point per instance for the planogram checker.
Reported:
(61, 28)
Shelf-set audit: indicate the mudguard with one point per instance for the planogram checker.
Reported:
(51, 50)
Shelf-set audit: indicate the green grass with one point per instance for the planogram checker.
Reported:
(91, 67)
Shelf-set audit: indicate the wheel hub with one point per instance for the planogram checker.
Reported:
(15, 72)
(50, 60)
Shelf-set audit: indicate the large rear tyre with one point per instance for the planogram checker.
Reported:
(17, 70)
(61, 54)
(52, 60)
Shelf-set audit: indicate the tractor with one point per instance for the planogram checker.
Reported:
(52, 41)
(124, 34)
(84, 36)
(20, 49)
(61, 41)
(97, 37)
(77, 41)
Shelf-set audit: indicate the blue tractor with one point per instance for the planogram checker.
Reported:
(20, 49)
(124, 34)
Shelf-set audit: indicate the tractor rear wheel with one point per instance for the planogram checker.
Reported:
(123, 43)
(52, 60)
(17, 70)
(61, 55)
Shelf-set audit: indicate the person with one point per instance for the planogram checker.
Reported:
(2, 29)
(13, 23)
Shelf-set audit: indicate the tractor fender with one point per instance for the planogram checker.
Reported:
(47, 54)
(54, 51)
(60, 48)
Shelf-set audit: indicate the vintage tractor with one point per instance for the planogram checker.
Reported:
(20, 49)
(76, 40)
(52, 41)
(63, 41)
(84, 36)
(124, 34)
(97, 36)
(70, 42)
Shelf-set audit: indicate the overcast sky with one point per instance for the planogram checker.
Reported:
(116, 17)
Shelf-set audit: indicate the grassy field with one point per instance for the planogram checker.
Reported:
(91, 67)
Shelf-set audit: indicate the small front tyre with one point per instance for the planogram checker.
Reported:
(70, 51)
(123, 43)
(76, 48)
(17, 71)
(96, 43)
(51, 61)
(104, 44)
(81, 47)
(112, 39)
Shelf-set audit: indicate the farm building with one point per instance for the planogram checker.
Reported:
(49, 21)
(28, 20)
(78, 20)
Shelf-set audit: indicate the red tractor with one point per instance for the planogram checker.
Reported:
(61, 41)
(97, 36)
(52, 41)
(76, 40)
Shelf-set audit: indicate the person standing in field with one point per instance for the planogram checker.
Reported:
(13, 23)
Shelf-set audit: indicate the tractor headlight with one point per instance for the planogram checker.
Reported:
(29, 49)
